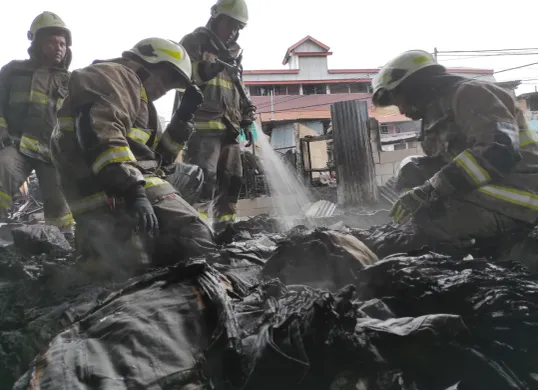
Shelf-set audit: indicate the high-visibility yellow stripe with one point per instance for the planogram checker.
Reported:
(170, 145)
(112, 156)
(66, 123)
(5, 200)
(220, 82)
(138, 135)
(211, 125)
(66, 220)
(100, 199)
(228, 218)
(467, 161)
(143, 94)
(30, 144)
(512, 195)
(527, 137)
(31, 97)
(3, 122)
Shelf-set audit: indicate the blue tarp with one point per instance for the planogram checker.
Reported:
(533, 124)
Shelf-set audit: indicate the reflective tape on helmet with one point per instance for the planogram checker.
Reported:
(5, 200)
(66, 123)
(61, 222)
(169, 144)
(138, 135)
(468, 163)
(113, 156)
(211, 125)
(3, 123)
(511, 195)
(221, 83)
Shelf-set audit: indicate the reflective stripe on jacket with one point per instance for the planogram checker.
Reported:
(29, 99)
(491, 154)
(222, 103)
(122, 135)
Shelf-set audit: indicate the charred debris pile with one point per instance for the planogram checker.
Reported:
(306, 309)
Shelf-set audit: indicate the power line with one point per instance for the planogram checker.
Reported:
(486, 50)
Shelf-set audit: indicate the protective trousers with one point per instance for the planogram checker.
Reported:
(220, 159)
(107, 235)
(15, 168)
(460, 217)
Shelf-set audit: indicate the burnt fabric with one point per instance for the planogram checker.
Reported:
(425, 322)
(220, 159)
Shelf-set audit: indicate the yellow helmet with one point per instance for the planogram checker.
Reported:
(48, 20)
(398, 70)
(156, 50)
(235, 9)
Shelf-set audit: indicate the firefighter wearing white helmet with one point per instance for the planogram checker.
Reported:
(113, 159)
(224, 114)
(480, 174)
(30, 93)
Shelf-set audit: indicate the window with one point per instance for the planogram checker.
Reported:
(383, 129)
(339, 88)
(358, 87)
(314, 89)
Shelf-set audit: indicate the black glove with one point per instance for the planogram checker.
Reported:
(225, 56)
(248, 136)
(141, 210)
(412, 201)
(191, 101)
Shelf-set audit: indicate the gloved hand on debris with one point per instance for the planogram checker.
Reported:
(190, 103)
(412, 201)
(140, 208)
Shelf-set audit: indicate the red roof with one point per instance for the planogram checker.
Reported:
(365, 71)
(292, 48)
(301, 107)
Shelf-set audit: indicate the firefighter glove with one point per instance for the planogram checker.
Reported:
(249, 116)
(412, 201)
(140, 208)
(190, 103)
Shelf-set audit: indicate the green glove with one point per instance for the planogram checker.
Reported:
(412, 201)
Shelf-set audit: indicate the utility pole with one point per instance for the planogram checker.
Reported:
(272, 104)
(435, 53)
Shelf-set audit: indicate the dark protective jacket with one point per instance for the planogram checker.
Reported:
(108, 137)
(490, 152)
(30, 96)
(222, 108)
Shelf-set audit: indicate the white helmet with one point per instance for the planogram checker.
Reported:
(48, 20)
(398, 70)
(156, 50)
(235, 9)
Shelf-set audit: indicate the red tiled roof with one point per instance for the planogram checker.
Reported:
(364, 71)
(296, 45)
(297, 107)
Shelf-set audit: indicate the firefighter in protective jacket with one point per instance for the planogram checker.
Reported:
(112, 158)
(30, 93)
(480, 174)
(214, 146)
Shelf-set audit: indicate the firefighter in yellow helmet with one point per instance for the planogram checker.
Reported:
(113, 160)
(214, 146)
(480, 174)
(30, 93)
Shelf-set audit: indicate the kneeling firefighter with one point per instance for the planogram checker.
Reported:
(226, 110)
(480, 174)
(112, 163)
(30, 93)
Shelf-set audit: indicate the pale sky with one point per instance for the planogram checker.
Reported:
(360, 34)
